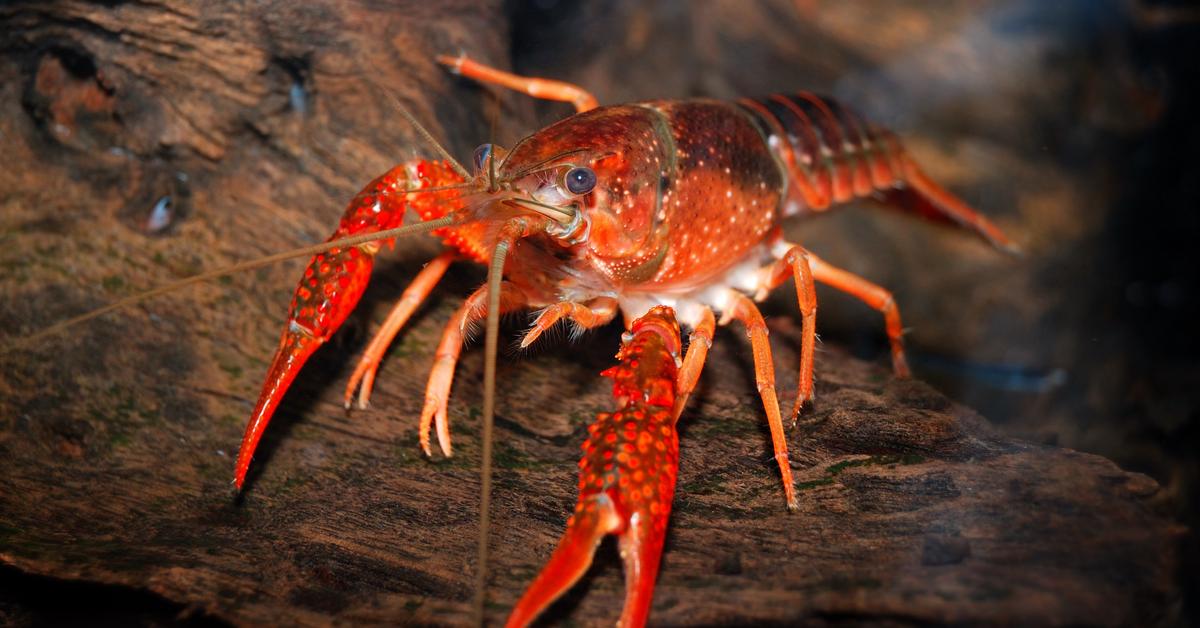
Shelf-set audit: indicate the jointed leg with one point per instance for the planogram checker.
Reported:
(413, 296)
(796, 263)
(747, 313)
(437, 391)
(597, 312)
(693, 361)
(546, 89)
(873, 295)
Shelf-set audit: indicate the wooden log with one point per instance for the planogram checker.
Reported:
(256, 123)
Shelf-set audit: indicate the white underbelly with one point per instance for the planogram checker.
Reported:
(745, 277)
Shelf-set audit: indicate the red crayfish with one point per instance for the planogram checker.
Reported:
(665, 212)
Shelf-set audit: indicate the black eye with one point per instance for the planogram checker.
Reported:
(481, 156)
(580, 180)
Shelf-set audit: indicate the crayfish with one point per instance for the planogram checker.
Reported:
(667, 213)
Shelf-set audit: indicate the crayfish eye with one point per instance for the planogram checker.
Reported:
(481, 156)
(580, 180)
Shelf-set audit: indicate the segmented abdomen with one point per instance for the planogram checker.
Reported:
(831, 155)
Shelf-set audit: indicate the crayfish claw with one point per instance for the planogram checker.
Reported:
(571, 559)
(334, 282)
(627, 475)
(332, 285)
(294, 350)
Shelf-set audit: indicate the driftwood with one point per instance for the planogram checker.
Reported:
(912, 508)
(117, 439)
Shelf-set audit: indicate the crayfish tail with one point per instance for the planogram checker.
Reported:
(922, 196)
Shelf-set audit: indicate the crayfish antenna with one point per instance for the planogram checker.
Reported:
(233, 269)
(509, 234)
(445, 154)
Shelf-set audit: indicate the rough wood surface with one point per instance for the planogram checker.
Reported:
(912, 508)
(258, 122)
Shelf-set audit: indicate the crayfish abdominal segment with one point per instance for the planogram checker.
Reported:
(667, 212)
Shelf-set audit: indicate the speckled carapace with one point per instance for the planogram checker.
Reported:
(661, 211)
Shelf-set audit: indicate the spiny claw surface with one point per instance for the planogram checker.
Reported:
(335, 280)
(626, 478)
(332, 285)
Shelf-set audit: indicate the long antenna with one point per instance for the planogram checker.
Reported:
(491, 342)
(492, 141)
(427, 135)
(397, 232)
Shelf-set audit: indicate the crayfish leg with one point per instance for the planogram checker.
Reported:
(744, 311)
(806, 268)
(414, 295)
(627, 475)
(545, 89)
(796, 263)
(693, 361)
(437, 391)
(598, 312)
(875, 296)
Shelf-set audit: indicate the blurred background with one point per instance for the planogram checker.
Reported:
(1072, 124)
